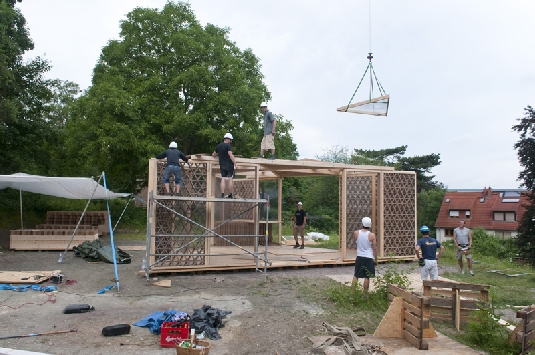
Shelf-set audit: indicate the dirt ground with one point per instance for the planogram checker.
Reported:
(267, 315)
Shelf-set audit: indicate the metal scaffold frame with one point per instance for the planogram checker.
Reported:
(209, 233)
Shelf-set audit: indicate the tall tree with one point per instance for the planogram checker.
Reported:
(526, 155)
(28, 101)
(166, 78)
(395, 157)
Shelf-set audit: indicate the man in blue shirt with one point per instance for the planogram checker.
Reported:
(428, 258)
(173, 156)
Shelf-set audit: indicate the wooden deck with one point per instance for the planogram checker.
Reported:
(280, 256)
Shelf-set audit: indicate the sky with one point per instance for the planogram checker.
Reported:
(459, 73)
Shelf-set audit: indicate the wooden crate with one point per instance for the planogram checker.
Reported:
(49, 239)
(91, 218)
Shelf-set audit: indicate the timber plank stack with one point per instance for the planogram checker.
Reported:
(58, 230)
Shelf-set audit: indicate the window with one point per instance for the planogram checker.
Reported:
(467, 214)
(481, 200)
(454, 214)
(505, 216)
(447, 200)
(448, 232)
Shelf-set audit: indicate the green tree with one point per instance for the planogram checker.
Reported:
(526, 155)
(28, 101)
(395, 157)
(166, 78)
(429, 202)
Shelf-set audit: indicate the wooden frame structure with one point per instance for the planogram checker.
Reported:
(189, 232)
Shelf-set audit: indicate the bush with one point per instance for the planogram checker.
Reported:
(491, 245)
(485, 332)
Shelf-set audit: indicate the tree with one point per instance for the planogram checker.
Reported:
(166, 78)
(429, 202)
(526, 155)
(421, 164)
(28, 101)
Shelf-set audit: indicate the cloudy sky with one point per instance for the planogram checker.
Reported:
(459, 73)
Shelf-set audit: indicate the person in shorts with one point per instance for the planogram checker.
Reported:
(462, 237)
(366, 254)
(268, 142)
(227, 165)
(300, 220)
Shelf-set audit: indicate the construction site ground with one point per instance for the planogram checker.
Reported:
(268, 315)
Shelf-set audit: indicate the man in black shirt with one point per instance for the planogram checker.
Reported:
(300, 220)
(227, 164)
(173, 166)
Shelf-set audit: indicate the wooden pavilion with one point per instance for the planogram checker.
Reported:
(196, 231)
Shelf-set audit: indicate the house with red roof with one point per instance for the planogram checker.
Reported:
(497, 211)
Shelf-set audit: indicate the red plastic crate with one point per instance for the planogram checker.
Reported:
(173, 333)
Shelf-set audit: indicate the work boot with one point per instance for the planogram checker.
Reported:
(296, 245)
(302, 246)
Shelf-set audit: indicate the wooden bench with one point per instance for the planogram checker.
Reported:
(97, 219)
(49, 239)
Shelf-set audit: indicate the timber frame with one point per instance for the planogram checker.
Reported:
(188, 233)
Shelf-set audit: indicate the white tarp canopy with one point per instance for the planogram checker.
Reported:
(66, 187)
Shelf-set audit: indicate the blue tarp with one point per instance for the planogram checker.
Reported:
(155, 320)
(24, 288)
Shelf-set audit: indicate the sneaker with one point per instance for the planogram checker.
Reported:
(231, 197)
(222, 195)
(272, 157)
(302, 246)
(462, 272)
(296, 246)
(260, 157)
(471, 273)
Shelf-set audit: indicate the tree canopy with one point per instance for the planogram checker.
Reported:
(167, 78)
(395, 157)
(30, 104)
(526, 155)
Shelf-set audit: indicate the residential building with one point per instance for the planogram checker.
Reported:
(497, 211)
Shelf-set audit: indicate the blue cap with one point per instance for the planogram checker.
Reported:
(424, 229)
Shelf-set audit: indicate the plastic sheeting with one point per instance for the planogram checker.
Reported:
(66, 187)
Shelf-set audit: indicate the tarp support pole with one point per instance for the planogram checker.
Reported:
(20, 204)
(80, 221)
(111, 238)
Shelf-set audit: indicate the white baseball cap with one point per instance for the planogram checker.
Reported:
(228, 135)
(367, 222)
(172, 145)
(299, 203)
(263, 104)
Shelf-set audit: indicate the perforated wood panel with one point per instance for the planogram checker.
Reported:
(399, 213)
(175, 234)
(359, 201)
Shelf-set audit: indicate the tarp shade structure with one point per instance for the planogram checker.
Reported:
(376, 107)
(66, 187)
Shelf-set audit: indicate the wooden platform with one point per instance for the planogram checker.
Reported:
(280, 256)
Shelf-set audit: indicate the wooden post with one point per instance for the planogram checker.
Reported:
(279, 206)
(343, 216)
(380, 215)
(457, 312)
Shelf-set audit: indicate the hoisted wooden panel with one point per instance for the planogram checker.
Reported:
(376, 107)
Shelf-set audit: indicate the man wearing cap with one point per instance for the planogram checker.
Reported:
(428, 258)
(173, 166)
(269, 131)
(366, 255)
(300, 220)
(227, 165)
